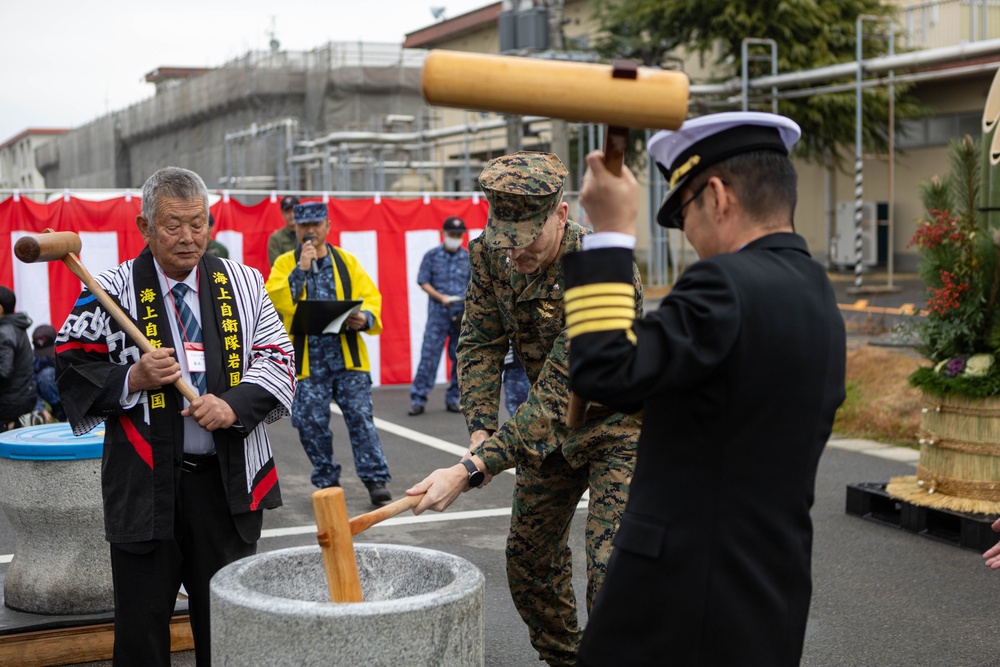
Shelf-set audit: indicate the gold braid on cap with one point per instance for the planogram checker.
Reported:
(678, 173)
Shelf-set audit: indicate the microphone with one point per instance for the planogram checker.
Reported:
(312, 266)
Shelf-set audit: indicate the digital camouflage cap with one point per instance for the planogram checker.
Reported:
(522, 189)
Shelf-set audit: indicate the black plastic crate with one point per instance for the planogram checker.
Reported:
(869, 500)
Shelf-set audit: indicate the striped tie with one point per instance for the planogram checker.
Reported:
(190, 328)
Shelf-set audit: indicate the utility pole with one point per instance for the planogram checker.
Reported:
(560, 133)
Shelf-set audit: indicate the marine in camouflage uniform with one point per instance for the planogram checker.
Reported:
(555, 465)
(284, 239)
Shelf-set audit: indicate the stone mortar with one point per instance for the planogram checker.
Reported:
(61, 564)
(421, 608)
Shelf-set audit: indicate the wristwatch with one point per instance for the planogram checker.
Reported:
(476, 476)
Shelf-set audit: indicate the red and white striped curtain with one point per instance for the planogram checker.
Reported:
(388, 236)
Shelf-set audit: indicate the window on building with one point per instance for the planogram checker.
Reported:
(938, 130)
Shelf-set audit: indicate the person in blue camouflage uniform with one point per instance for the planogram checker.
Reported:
(331, 366)
(515, 297)
(444, 275)
(515, 382)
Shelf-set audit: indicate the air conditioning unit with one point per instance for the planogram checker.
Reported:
(523, 29)
(843, 246)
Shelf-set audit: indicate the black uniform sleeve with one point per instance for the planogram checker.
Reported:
(617, 360)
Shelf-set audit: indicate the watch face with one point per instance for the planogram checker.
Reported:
(476, 476)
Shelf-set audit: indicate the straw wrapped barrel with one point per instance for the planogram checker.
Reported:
(959, 465)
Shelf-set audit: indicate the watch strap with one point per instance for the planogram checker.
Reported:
(474, 472)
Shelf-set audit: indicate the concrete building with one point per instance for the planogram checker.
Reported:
(237, 125)
(17, 158)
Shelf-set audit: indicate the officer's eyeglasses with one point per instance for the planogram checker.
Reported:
(677, 219)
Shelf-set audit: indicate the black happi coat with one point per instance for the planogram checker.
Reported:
(249, 365)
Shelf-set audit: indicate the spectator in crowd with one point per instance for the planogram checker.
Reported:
(739, 374)
(331, 365)
(515, 296)
(283, 240)
(444, 275)
(184, 483)
(43, 338)
(17, 384)
(214, 246)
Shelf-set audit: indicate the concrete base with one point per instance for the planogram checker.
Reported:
(61, 563)
(421, 607)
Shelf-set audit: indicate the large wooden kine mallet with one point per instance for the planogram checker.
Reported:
(621, 96)
(53, 246)
(334, 534)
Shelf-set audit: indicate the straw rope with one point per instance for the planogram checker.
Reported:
(970, 410)
(907, 489)
(965, 446)
(935, 482)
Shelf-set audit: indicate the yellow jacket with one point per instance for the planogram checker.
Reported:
(361, 287)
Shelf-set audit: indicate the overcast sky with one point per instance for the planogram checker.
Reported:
(65, 63)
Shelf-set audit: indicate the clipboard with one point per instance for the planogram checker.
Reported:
(315, 317)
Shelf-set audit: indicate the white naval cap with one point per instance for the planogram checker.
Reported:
(701, 142)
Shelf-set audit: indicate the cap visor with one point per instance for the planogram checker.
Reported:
(508, 237)
(671, 202)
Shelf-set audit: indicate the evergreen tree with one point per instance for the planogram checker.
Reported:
(808, 34)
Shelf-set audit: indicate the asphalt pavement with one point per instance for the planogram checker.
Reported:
(882, 597)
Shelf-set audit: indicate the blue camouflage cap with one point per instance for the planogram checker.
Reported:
(312, 212)
(522, 189)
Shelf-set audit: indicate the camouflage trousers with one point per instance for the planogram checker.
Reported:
(539, 561)
(352, 390)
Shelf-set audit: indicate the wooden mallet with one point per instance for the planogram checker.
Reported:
(334, 534)
(621, 96)
(53, 246)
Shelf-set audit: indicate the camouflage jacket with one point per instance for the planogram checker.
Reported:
(504, 306)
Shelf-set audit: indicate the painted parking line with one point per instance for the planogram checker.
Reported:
(867, 447)
(876, 449)
(411, 519)
(415, 436)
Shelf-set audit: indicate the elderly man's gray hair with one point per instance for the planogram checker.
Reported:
(173, 182)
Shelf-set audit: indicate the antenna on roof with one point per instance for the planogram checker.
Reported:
(274, 43)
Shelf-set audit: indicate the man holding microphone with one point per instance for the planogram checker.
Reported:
(331, 365)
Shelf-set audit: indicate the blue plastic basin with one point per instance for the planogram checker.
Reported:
(51, 442)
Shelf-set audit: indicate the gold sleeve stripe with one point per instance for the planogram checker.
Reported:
(600, 289)
(599, 325)
(602, 301)
(619, 313)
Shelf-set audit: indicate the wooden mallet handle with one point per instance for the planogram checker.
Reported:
(616, 136)
(365, 521)
(615, 143)
(51, 246)
(334, 537)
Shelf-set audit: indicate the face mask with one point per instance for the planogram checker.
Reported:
(452, 244)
